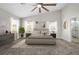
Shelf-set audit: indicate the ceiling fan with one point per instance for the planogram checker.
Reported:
(42, 6)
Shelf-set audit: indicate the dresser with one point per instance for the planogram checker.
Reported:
(6, 39)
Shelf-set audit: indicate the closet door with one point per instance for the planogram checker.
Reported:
(75, 30)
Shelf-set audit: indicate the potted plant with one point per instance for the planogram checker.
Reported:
(21, 31)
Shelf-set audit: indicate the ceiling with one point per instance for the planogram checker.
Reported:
(24, 10)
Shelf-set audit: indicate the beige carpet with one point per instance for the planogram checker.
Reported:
(20, 48)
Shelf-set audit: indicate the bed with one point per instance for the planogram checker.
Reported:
(40, 39)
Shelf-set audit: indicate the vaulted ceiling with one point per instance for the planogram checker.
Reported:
(24, 10)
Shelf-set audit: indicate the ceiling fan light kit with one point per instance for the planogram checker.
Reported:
(41, 5)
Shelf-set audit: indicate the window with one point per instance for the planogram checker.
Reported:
(29, 26)
(52, 26)
(14, 25)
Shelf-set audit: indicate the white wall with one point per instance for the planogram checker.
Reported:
(5, 21)
(52, 16)
(68, 12)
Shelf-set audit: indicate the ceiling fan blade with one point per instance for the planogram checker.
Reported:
(39, 10)
(45, 8)
(22, 3)
(49, 4)
(34, 5)
(34, 8)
